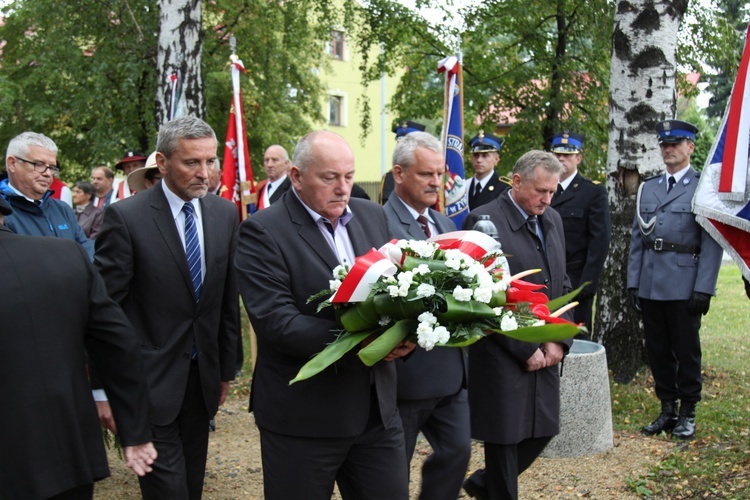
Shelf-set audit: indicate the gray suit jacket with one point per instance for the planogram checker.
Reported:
(509, 404)
(283, 259)
(142, 260)
(443, 370)
(671, 275)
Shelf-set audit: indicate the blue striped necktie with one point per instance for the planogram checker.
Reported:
(193, 248)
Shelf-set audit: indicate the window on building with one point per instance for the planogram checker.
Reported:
(335, 110)
(336, 45)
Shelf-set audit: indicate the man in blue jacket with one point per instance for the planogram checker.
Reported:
(31, 162)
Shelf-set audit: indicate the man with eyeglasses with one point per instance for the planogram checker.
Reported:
(31, 162)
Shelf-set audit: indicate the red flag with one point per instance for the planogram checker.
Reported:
(236, 169)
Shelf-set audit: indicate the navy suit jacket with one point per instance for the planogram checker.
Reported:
(142, 260)
(283, 259)
(443, 370)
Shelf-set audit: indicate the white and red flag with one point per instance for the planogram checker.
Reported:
(237, 173)
(722, 199)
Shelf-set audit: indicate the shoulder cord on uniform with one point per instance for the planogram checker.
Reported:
(645, 227)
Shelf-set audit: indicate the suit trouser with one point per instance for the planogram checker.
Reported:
(445, 423)
(84, 492)
(504, 462)
(369, 466)
(182, 447)
(673, 346)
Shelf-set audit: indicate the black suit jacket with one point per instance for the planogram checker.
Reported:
(142, 260)
(282, 259)
(508, 403)
(441, 371)
(584, 209)
(494, 188)
(53, 307)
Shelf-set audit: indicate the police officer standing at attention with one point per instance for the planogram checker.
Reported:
(584, 209)
(672, 272)
(486, 185)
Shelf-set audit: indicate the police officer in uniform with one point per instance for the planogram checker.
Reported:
(486, 185)
(386, 182)
(672, 272)
(584, 209)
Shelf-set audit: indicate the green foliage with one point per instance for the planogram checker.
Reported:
(545, 62)
(707, 127)
(712, 39)
(715, 464)
(82, 73)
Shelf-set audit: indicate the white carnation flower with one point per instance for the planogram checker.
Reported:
(499, 311)
(442, 334)
(427, 317)
(539, 323)
(462, 294)
(403, 290)
(393, 290)
(402, 244)
(508, 323)
(454, 264)
(339, 272)
(334, 284)
(483, 294)
(425, 290)
(384, 320)
(423, 249)
(426, 337)
(422, 269)
(405, 278)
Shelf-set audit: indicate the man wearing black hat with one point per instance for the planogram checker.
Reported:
(672, 274)
(584, 209)
(386, 182)
(486, 185)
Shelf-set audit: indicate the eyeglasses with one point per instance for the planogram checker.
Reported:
(40, 166)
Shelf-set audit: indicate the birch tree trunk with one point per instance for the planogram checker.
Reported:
(180, 47)
(642, 92)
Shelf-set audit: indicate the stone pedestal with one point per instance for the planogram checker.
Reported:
(585, 407)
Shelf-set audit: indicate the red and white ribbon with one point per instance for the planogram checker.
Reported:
(366, 271)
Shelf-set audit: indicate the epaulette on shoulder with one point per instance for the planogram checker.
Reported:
(505, 180)
(652, 177)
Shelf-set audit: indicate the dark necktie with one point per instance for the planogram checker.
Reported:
(531, 224)
(477, 188)
(269, 190)
(193, 249)
(670, 183)
(559, 190)
(425, 226)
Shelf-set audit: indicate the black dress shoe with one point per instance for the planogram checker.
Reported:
(475, 487)
(666, 421)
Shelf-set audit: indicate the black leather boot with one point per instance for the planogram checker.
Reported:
(666, 420)
(685, 428)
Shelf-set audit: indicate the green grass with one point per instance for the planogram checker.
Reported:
(717, 463)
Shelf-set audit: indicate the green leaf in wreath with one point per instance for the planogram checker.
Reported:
(382, 345)
(328, 356)
(551, 332)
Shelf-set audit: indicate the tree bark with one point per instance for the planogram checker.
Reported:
(180, 47)
(642, 92)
